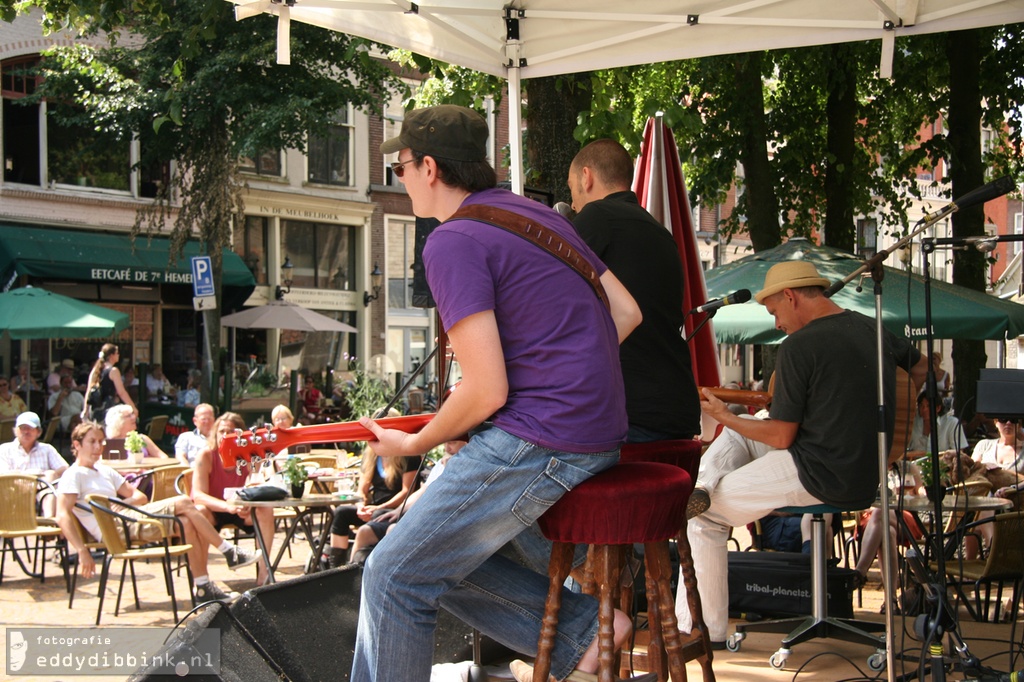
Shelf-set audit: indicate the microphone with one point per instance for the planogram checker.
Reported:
(980, 195)
(741, 296)
(565, 210)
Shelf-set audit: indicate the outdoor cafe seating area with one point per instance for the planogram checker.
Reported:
(27, 600)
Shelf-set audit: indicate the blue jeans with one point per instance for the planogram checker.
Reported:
(443, 554)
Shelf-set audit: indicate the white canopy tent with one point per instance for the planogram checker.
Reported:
(531, 38)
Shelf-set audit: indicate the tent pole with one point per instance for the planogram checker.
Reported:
(515, 117)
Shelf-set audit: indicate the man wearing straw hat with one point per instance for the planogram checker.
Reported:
(820, 443)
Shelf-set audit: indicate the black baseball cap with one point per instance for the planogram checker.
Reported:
(445, 131)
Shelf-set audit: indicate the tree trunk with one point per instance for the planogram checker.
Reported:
(966, 172)
(762, 205)
(841, 114)
(553, 105)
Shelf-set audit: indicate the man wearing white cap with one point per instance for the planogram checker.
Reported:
(820, 443)
(25, 454)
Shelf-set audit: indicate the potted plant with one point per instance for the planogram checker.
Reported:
(134, 445)
(295, 474)
(927, 475)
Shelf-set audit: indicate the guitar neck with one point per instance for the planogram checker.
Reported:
(251, 447)
(758, 399)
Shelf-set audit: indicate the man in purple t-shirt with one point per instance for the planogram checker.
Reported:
(538, 350)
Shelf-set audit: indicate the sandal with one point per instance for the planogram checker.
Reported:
(859, 580)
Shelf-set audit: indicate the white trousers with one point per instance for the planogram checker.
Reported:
(746, 480)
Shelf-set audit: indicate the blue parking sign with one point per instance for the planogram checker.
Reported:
(202, 276)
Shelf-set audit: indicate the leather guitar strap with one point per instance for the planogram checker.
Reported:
(549, 240)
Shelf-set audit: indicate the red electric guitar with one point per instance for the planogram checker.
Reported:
(249, 448)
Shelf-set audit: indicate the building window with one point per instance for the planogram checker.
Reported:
(394, 114)
(266, 163)
(78, 154)
(867, 237)
(401, 250)
(330, 156)
(40, 147)
(250, 242)
(323, 255)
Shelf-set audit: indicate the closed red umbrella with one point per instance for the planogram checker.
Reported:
(661, 189)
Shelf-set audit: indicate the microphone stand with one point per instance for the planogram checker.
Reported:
(700, 325)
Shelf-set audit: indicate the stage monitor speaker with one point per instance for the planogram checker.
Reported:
(1001, 393)
(307, 627)
(240, 660)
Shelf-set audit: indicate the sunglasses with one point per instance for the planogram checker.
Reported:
(399, 168)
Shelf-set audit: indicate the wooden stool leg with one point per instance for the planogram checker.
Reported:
(659, 591)
(558, 568)
(657, 660)
(689, 578)
(606, 570)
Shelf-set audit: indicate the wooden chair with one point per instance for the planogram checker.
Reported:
(183, 483)
(321, 461)
(6, 430)
(1005, 563)
(165, 479)
(91, 545)
(116, 520)
(51, 430)
(18, 520)
(156, 428)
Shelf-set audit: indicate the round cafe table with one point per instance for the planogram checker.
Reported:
(147, 463)
(305, 507)
(966, 506)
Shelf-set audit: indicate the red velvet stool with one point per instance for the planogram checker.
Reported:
(684, 454)
(643, 502)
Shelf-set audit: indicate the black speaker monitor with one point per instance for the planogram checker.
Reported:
(1001, 393)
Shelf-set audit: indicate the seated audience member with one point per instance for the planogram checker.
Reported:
(65, 368)
(384, 484)
(131, 383)
(281, 417)
(190, 397)
(904, 479)
(374, 530)
(22, 381)
(210, 479)
(950, 433)
(1003, 452)
(191, 443)
(66, 404)
(87, 476)
(25, 454)
(157, 385)
(312, 401)
(782, 532)
(11, 404)
(122, 420)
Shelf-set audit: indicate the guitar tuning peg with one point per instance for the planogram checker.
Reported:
(239, 465)
(257, 440)
(242, 442)
(271, 437)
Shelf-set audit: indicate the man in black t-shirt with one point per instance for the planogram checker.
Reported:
(820, 444)
(661, 396)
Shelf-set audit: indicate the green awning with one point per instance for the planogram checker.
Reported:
(103, 257)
